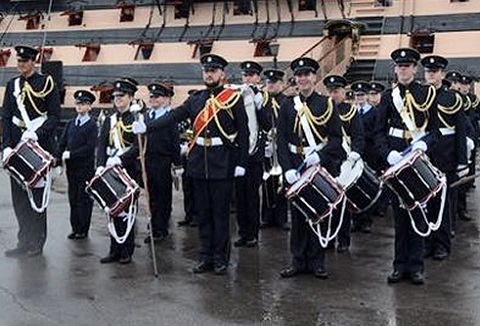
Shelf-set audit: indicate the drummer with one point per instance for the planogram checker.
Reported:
(318, 140)
(392, 137)
(41, 105)
(353, 137)
(117, 146)
(449, 154)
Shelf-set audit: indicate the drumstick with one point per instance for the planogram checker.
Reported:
(304, 162)
(147, 195)
(463, 180)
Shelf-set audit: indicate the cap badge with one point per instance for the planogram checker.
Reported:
(209, 59)
(332, 79)
(79, 94)
(248, 65)
(118, 85)
(300, 63)
(403, 53)
(432, 60)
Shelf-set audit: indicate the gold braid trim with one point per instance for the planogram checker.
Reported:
(312, 120)
(224, 106)
(411, 105)
(467, 105)
(121, 128)
(266, 96)
(476, 102)
(454, 108)
(30, 93)
(349, 115)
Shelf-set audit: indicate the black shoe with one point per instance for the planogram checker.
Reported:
(34, 252)
(341, 248)
(240, 243)
(417, 278)
(221, 269)
(126, 259)
(289, 272)
(321, 273)
(452, 234)
(72, 236)
(355, 228)
(193, 224)
(183, 223)
(440, 255)
(156, 239)
(251, 243)
(285, 227)
(395, 277)
(330, 246)
(80, 236)
(109, 259)
(203, 267)
(15, 252)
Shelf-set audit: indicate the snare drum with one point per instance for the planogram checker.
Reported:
(414, 180)
(361, 184)
(316, 194)
(28, 163)
(113, 190)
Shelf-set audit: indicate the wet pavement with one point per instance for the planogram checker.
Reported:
(68, 286)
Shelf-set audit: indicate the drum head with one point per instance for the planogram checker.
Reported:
(305, 178)
(349, 173)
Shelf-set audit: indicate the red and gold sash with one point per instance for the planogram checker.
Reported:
(211, 109)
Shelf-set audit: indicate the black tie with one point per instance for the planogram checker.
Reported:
(361, 110)
(78, 122)
(152, 115)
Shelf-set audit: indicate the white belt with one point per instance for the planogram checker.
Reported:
(304, 150)
(207, 142)
(112, 151)
(447, 131)
(34, 123)
(19, 123)
(399, 133)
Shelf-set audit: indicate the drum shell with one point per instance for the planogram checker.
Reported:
(113, 190)
(28, 163)
(415, 182)
(317, 197)
(365, 191)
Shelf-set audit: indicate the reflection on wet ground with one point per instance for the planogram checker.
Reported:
(68, 286)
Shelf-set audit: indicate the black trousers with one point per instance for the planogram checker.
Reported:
(247, 190)
(307, 254)
(188, 199)
(409, 246)
(81, 204)
(212, 201)
(128, 247)
(343, 236)
(32, 226)
(274, 202)
(160, 190)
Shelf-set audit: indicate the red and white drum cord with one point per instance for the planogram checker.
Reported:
(316, 227)
(129, 218)
(430, 225)
(45, 195)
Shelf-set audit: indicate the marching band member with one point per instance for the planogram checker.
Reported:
(117, 146)
(31, 111)
(316, 140)
(448, 154)
(218, 153)
(162, 153)
(275, 209)
(247, 186)
(77, 149)
(407, 104)
(353, 136)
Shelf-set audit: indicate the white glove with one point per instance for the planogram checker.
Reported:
(470, 147)
(258, 100)
(6, 151)
(139, 127)
(312, 159)
(183, 149)
(239, 172)
(177, 172)
(99, 170)
(462, 170)
(29, 135)
(114, 160)
(394, 157)
(58, 171)
(292, 176)
(419, 146)
(66, 155)
(353, 156)
(269, 150)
